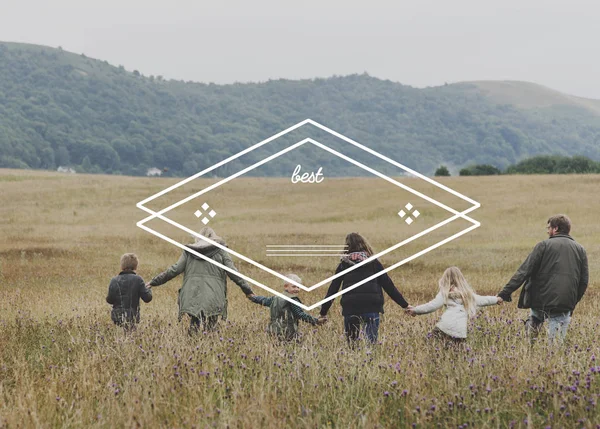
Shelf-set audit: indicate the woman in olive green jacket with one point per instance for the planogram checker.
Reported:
(204, 292)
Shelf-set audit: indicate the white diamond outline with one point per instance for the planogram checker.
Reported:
(279, 275)
(462, 214)
(153, 214)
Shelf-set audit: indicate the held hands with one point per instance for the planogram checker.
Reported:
(500, 301)
(148, 286)
(321, 320)
(250, 296)
(410, 310)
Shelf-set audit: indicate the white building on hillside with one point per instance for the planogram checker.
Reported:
(153, 172)
(68, 170)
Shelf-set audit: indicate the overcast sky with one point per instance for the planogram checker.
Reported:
(418, 42)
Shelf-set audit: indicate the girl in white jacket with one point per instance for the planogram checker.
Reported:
(461, 303)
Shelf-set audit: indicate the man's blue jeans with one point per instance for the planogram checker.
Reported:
(354, 323)
(558, 323)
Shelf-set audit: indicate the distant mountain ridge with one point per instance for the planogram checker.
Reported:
(530, 95)
(60, 108)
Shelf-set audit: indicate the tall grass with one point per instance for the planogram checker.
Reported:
(63, 363)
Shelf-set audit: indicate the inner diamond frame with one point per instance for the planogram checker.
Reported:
(456, 214)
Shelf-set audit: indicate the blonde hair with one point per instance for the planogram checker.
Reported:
(294, 278)
(453, 278)
(129, 262)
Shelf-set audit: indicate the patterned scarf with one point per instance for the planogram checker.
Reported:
(354, 258)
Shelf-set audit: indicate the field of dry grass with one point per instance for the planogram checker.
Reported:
(63, 363)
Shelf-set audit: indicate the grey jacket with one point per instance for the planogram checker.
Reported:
(556, 275)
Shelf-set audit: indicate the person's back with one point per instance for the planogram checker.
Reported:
(284, 313)
(283, 322)
(556, 277)
(556, 283)
(366, 298)
(455, 318)
(461, 302)
(125, 291)
(363, 282)
(556, 271)
(203, 293)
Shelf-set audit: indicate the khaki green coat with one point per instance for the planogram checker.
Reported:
(204, 289)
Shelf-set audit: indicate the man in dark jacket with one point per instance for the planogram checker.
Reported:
(125, 291)
(556, 276)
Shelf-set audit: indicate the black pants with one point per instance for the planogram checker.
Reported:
(209, 323)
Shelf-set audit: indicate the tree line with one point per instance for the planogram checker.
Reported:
(62, 109)
(542, 164)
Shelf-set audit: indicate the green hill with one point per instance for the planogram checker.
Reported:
(529, 95)
(59, 108)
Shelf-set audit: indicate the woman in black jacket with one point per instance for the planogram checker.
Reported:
(362, 305)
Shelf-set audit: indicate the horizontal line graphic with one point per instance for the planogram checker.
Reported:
(303, 250)
(306, 245)
(312, 254)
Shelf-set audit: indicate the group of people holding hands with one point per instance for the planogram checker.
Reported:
(555, 275)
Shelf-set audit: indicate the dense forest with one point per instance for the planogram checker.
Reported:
(62, 109)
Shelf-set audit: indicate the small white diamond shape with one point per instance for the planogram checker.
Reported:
(213, 213)
(205, 221)
(416, 213)
(401, 213)
(409, 220)
(408, 206)
(205, 206)
(198, 213)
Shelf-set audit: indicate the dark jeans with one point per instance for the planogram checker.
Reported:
(354, 323)
(209, 324)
